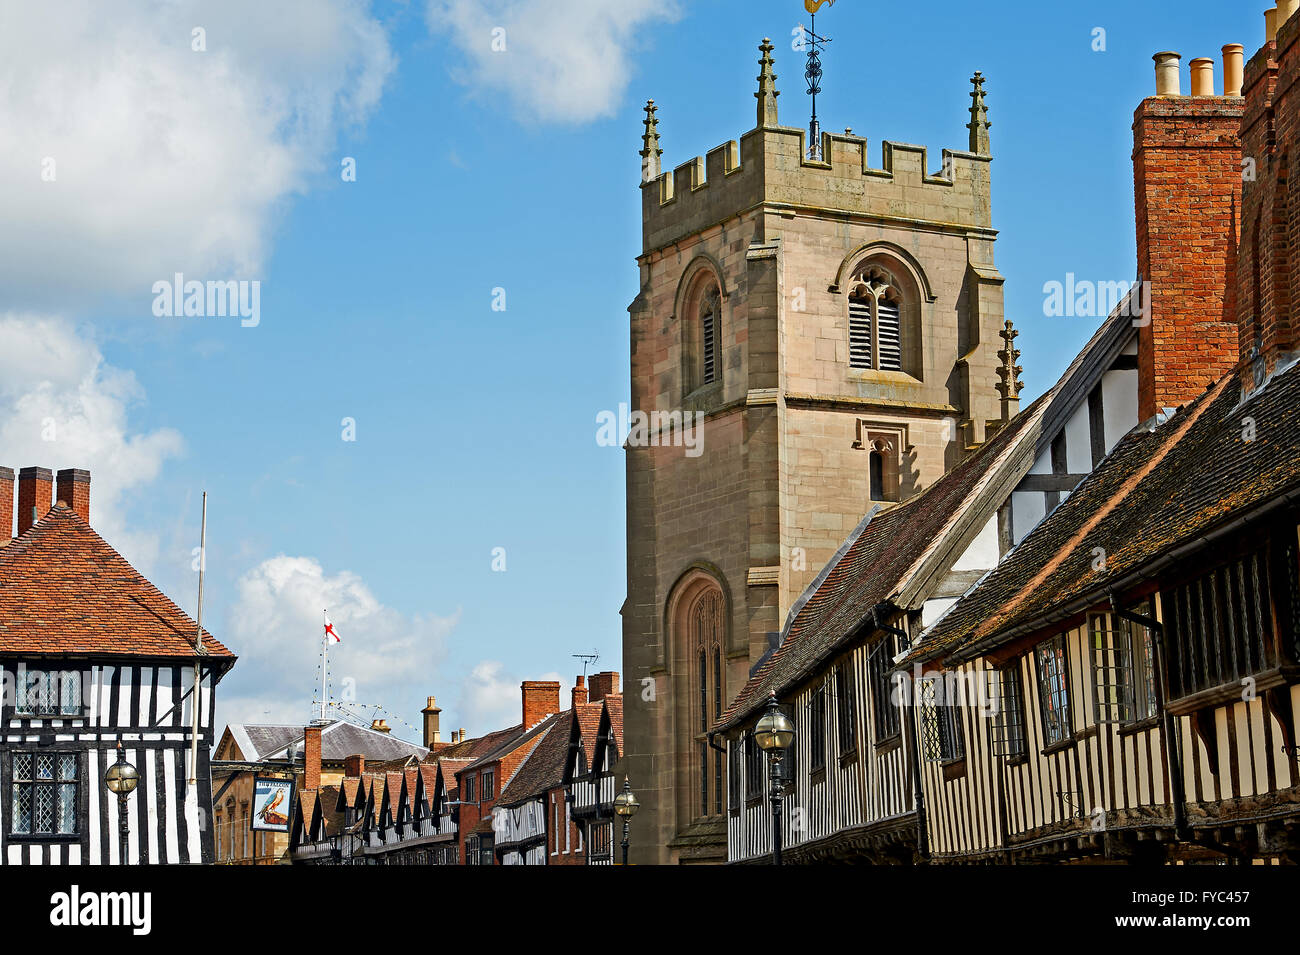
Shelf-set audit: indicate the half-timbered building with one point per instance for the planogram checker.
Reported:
(590, 774)
(92, 655)
(853, 789)
(1116, 679)
(1125, 685)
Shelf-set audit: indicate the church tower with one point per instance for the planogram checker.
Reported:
(834, 327)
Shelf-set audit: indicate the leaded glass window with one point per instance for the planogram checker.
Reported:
(44, 794)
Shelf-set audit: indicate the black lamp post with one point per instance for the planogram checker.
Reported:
(774, 735)
(626, 805)
(121, 778)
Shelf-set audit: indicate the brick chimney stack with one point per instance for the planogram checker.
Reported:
(1268, 268)
(35, 495)
(6, 505)
(354, 765)
(541, 699)
(311, 757)
(603, 684)
(580, 691)
(1187, 178)
(432, 717)
(74, 490)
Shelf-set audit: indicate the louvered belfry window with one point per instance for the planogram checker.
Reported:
(875, 321)
(709, 313)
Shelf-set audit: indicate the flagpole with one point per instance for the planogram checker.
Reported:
(324, 661)
(198, 647)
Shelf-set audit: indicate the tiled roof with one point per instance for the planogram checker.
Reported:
(888, 547)
(588, 715)
(449, 768)
(256, 740)
(341, 739)
(63, 589)
(1154, 493)
(511, 741)
(614, 702)
(543, 770)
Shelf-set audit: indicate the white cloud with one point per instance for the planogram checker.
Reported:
(564, 61)
(275, 626)
(491, 699)
(167, 159)
(62, 405)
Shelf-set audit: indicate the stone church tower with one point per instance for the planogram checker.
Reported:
(834, 327)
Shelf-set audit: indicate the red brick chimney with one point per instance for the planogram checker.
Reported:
(311, 757)
(35, 495)
(603, 684)
(541, 699)
(1187, 174)
(580, 691)
(1268, 267)
(73, 489)
(354, 765)
(6, 505)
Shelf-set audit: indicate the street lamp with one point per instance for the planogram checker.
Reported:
(774, 735)
(121, 778)
(625, 805)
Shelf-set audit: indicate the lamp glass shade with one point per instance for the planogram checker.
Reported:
(625, 803)
(774, 730)
(121, 778)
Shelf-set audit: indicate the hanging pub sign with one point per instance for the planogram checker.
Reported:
(271, 801)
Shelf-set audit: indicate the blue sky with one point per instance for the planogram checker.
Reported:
(475, 170)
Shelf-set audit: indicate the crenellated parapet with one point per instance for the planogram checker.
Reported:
(769, 166)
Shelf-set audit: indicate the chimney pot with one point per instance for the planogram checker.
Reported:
(1285, 10)
(1202, 76)
(1270, 25)
(1234, 57)
(35, 493)
(1169, 81)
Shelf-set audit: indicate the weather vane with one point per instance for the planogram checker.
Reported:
(813, 74)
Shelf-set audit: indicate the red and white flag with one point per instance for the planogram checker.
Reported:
(331, 633)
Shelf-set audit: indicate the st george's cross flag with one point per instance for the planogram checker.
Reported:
(330, 632)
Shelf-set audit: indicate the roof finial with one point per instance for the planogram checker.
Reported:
(979, 118)
(1009, 383)
(767, 91)
(650, 151)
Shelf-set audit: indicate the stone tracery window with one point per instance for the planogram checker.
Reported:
(706, 635)
(875, 319)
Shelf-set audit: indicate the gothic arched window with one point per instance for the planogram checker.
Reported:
(875, 320)
(710, 320)
(706, 629)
